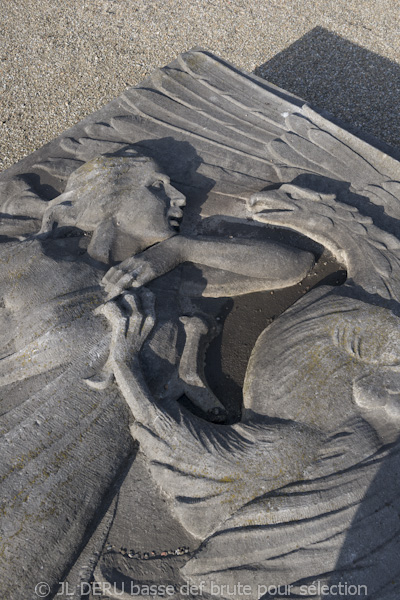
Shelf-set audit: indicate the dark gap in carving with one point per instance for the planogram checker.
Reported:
(243, 320)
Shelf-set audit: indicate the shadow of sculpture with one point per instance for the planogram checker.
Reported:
(375, 526)
(344, 79)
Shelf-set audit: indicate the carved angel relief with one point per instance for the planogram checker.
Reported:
(103, 335)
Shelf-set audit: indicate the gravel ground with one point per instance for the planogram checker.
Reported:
(62, 59)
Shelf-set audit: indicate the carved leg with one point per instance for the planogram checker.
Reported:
(191, 369)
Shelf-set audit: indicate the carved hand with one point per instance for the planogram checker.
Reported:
(132, 272)
(131, 326)
(143, 268)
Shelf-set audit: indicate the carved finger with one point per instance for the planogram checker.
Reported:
(110, 277)
(129, 279)
(49, 218)
(141, 321)
(148, 303)
(134, 320)
(101, 381)
(116, 289)
(117, 320)
(110, 310)
(113, 277)
(130, 301)
(59, 214)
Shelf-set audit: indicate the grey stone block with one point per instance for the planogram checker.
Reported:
(122, 242)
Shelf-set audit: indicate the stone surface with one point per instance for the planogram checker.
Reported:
(124, 244)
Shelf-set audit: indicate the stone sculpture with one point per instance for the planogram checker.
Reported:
(104, 330)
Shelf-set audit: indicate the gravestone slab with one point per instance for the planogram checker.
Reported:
(191, 406)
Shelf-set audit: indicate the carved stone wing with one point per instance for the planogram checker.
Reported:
(232, 134)
(296, 535)
(370, 252)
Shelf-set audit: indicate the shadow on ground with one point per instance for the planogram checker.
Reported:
(356, 86)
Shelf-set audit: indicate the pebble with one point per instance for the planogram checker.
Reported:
(60, 61)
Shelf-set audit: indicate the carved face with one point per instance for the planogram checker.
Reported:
(125, 201)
